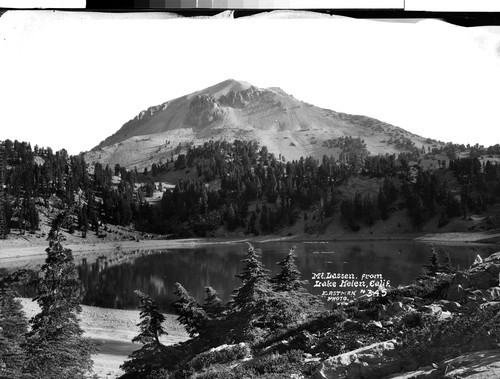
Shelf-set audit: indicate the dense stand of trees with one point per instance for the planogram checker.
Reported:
(252, 189)
(255, 190)
(39, 178)
(242, 186)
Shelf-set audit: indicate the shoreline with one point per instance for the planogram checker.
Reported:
(16, 253)
(487, 237)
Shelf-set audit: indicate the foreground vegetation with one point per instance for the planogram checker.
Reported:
(272, 329)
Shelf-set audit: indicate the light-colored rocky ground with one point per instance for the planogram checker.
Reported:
(484, 364)
(114, 330)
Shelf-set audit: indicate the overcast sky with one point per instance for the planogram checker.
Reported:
(72, 79)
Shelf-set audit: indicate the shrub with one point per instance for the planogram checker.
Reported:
(227, 374)
(289, 362)
(413, 320)
(477, 329)
(211, 357)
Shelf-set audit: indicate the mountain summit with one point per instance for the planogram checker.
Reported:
(238, 110)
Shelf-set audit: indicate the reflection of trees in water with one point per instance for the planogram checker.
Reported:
(156, 274)
(216, 266)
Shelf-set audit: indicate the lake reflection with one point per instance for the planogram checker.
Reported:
(111, 284)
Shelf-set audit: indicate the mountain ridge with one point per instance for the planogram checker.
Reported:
(235, 109)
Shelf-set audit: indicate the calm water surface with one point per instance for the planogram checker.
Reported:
(111, 284)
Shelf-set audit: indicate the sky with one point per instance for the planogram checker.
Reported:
(69, 79)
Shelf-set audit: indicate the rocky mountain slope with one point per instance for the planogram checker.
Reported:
(237, 110)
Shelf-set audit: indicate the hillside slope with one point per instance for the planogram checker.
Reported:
(237, 110)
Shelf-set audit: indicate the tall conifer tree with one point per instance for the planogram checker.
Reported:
(151, 320)
(191, 315)
(288, 279)
(254, 278)
(55, 346)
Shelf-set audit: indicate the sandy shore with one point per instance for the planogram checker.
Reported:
(31, 253)
(492, 236)
(114, 330)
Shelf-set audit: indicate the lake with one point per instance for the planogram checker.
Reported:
(111, 284)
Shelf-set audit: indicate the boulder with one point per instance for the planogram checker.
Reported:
(407, 300)
(494, 305)
(379, 312)
(493, 258)
(493, 294)
(450, 306)
(433, 310)
(484, 275)
(476, 365)
(475, 297)
(436, 312)
(376, 360)
(481, 276)
(374, 325)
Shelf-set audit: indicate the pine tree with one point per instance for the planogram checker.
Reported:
(249, 312)
(191, 315)
(255, 281)
(151, 355)
(55, 346)
(291, 303)
(151, 320)
(288, 279)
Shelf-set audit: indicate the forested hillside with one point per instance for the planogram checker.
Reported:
(246, 188)
(228, 187)
(40, 183)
